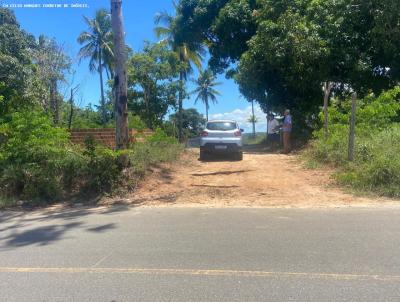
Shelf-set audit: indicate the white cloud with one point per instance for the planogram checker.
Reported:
(242, 115)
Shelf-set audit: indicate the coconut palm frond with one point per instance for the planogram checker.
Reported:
(196, 58)
(213, 98)
(89, 22)
(88, 50)
(204, 90)
(216, 84)
(213, 92)
(85, 37)
(197, 90)
(161, 31)
(163, 18)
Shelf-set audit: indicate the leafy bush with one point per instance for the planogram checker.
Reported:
(248, 138)
(101, 170)
(31, 156)
(40, 165)
(160, 137)
(159, 147)
(135, 122)
(332, 150)
(376, 165)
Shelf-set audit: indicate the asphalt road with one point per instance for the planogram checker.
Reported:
(196, 254)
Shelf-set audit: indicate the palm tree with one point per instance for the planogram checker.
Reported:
(253, 119)
(120, 81)
(205, 88)
(97, 46)
(189, 53)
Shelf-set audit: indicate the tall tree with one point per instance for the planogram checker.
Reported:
(224, 25)
(193, 122)
(16, 74)
(52, 64)
(189, 52)
(120, 80)
(205, 90)
(253, 119)
(152, 82)
(286, 50)
(98, 47)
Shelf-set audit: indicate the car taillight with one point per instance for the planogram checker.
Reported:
(237, 133)
(204, 133)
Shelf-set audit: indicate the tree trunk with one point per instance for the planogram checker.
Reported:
(352, 126)
(147, 105)
(327, 92)
(55, 106)
(103, 102)
(180, 101)
(120, 80)
(206, 108)
(107, 74)
(253, 118)
(71, 112)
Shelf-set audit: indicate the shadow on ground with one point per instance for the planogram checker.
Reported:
(218, 158)
(43, 227)
(220, 173)
(259, 149)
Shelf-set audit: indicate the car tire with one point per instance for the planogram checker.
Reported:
(239, 156)
(203, 155)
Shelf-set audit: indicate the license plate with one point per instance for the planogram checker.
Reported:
(220, 147)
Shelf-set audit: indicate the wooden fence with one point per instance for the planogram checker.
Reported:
(106, 136)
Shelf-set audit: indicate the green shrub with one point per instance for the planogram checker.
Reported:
(31, 156)
(160, 137)
(40, 165)
(102, 172)
(248, 138)
(376, 165)
(332, 150)
(136, 123)
(157, 148)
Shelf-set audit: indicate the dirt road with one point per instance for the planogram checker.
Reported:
(265, 180)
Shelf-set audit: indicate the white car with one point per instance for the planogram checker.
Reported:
(221, 137)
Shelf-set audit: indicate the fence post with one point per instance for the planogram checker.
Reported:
(352, 126)
(327, 92)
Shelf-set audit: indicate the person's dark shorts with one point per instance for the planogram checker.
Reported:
(274, 137)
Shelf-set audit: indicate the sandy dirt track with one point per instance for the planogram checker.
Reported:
(260, 180)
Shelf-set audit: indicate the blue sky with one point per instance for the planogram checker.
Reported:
(65, 24)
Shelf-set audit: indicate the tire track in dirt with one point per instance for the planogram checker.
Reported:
(264, 180)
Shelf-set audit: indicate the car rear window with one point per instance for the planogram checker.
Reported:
(221, 126)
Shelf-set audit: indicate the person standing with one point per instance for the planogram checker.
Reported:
(272, 131)
(287, 130)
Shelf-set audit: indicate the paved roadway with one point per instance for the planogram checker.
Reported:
(197, 254)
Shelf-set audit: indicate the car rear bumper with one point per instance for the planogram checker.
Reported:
(221, 141)
(221, 148)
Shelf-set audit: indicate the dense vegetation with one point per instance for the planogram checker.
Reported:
(376, 165)
(281, 53)
(38, 163)
(289, 53)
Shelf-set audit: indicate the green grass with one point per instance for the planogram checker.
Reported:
(144, 155)
(376, 165)
(248, 138)
(40, 166)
